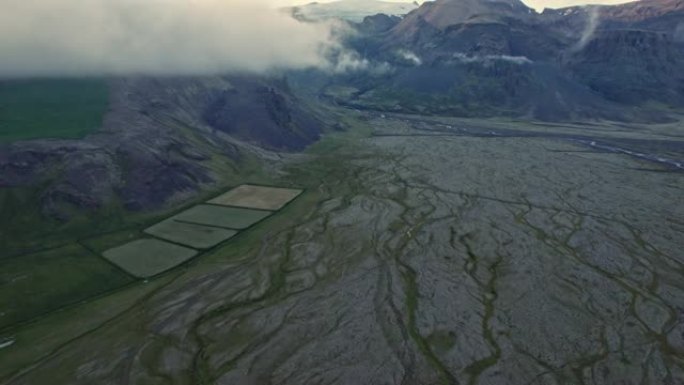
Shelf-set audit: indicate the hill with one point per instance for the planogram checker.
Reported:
(162, 141)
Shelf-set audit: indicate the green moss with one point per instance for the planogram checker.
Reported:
(442, 341)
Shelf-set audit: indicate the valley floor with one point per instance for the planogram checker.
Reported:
(428, 252)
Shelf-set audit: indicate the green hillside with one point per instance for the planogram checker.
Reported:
(32, 109)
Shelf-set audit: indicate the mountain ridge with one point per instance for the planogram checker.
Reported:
(475, 50)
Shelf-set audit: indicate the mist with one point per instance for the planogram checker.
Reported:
(155, 37)
(410, 57)
(487, 59)
(592, 23)
(679, 33)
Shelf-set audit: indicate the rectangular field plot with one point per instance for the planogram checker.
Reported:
(148, 257)
(195, 236)
(226, 217)
(257, 197)
(38, 283)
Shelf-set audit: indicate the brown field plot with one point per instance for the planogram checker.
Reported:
(257, 197)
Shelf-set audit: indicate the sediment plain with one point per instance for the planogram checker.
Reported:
(424, 251)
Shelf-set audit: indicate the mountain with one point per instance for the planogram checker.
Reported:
(499, 57)
(656, 15)
(631, 66)
(352, 10)
(665, 16)
(162, 141)
(442, 14)
(629, 53)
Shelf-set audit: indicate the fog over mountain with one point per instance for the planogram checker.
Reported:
(155, 37)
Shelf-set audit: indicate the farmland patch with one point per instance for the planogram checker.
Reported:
(226, 217)
(257, 197)
(148, 257)
(193, 235)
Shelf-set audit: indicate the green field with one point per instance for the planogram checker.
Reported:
(148, 257)
(35, 284)
(227, 217)
(195, 236)
(33, 109)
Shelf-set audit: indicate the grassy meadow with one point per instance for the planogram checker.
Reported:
(47, 108)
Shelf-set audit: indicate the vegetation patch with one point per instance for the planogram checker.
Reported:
(257, 197)
(148, 257)
(226, 217)
(39, 283)
(47, 108)
(195, 236)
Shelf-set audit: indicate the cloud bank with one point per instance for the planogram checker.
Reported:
(156, 37)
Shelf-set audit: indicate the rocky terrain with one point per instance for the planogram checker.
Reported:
(434, 251)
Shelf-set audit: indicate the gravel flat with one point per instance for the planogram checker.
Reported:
(425, 259)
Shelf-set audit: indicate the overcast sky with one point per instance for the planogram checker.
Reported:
(538, 4)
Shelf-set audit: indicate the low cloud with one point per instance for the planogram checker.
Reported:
(157, 37)
(409, 57)
(679, 33)
(485, 59)
(350, 62)
(593, 19)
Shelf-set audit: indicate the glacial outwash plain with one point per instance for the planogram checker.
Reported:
(423, 251)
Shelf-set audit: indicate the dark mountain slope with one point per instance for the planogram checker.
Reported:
(162, 141)
(477, 87)
(653, 15)
(632, 66)
(265, 114)
(500, 58)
